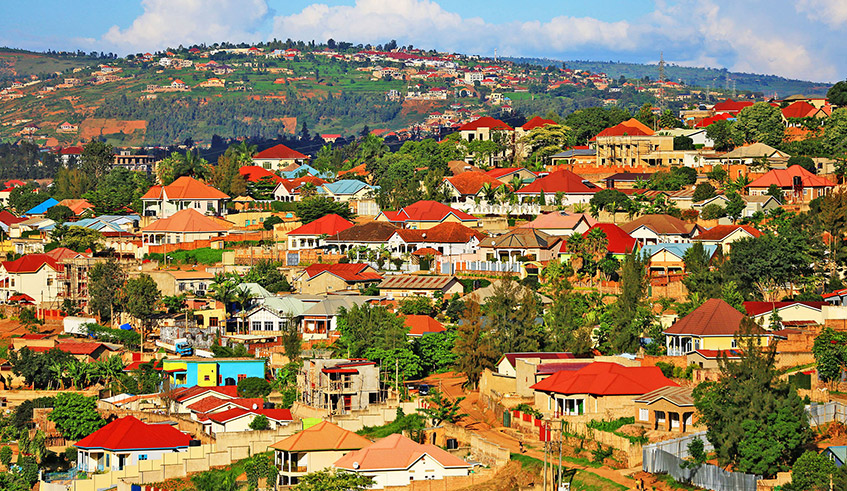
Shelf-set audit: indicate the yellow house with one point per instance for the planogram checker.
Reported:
(715, 325)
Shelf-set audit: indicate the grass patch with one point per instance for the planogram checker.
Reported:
(401, 423)
(614, 425)
(670, 481)
(204, 255)
(582, 481)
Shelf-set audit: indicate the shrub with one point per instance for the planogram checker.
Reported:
(260, 422)
(254, 387)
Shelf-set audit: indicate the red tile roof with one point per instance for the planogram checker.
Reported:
(562, 180)
(31, 263)
(799, 109)
(720, 232)
(80, 348)
(128, 433)
(618, 241)
(443, 233)
(9, 219)
(189, 392)
(714, 318)
(630, 127)
(396, 452)
(784, 178)
(322, 436)
(485, 122)
(422, 324)
(471, 182)
(329, 225)
(713, 119)
(426, 211)
(71, 151)
(279, 152)
(499, 172)
(293, 185)
(605, 379)
(185, 188)
(351, 272)
(187, 220)
(731, 106)
(255, 173)
(538, 122)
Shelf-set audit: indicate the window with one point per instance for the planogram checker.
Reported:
(269, 325)
(643, 414)
(213, 322)
(241, 377)
(660, 416)
(142, 456)
(734, 344)
(257, 325)
(207, 378)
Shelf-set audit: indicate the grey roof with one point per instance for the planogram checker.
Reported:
(755, 150)
(287, 305)
(679, 396)
(256, 289)
(575, 152)
(483, 294)
(333, 304)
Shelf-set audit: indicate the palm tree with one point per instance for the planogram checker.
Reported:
(243, 152)
(516, 182)
(110, 368)
(223, 290)
(78, 372)
(489, 193)
(243, 296)
(58, 371)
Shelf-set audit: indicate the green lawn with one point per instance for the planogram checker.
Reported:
(582, 481)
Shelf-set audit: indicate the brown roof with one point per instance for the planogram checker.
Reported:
(713, 318)
(523, 238)
(661, 224)
(322, 436)
(472, 182)
(185, 188)
(404, 282)
(459, 166)
(720, 232)
(443, 233)
(679, 396)
(366, 232)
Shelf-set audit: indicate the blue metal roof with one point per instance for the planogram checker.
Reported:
(675, 249)
(42, 208)
(344, 186)
(308, 169)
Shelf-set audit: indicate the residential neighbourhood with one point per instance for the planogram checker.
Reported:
(642, 291)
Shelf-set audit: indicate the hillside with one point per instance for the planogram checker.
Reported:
(278, 89)
(697, 76)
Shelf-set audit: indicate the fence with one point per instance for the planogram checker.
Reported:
(705, 476)
(820, 414)
(480, 266)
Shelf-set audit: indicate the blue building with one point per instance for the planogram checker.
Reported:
(211, 372)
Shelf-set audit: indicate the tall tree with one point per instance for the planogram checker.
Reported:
(117, 191)
(760, 122)
(755, 420)
(512, 312)
(630, 314)
(105, 281)
(474, 350)
(140, 297)
(96, 159)
(75, 415)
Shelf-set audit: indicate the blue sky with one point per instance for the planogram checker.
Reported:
(798, 39)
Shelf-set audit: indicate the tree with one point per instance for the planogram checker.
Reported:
(79, 239)
(473, 348)
(266, 274)
(721, 133)
(834, 133)
(71, 184)
(119, 190)
(547, 140)
(75, 415)
(683, 142)
(770, 261)
(35, 367)
(140, 297)
(309, 210)
(6, 456)
(586, 123)
(96, 159)
(269, 222)
(253, 387)
(435, 351)
(416, 305)
(59, 213)
(260, 422)
(760, 122)
(292, 343)
(512, 312)
(333, 480)
(837, 94)
(260, 467)
(804, 162)
(441, 409)
(630, 314)
(756, 421)
(735, 207)
(105, 281)
(226, 176)
(24, 198)
(704, 191)
(717, 174)
(811, 472)
(830, 350)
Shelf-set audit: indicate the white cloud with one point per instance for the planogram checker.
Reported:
(831, 12)
(173, 22)
(425, 23)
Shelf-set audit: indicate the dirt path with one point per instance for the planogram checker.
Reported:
(485, 424)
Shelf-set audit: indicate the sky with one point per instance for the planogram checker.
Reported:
(793, 38)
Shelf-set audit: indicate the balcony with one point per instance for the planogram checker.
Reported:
(338, 387)
(290, 468)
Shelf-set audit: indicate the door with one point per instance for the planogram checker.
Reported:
(348, 402)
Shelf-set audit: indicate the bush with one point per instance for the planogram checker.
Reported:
(712, 211)
(272, 220)
(260, 422)
(254, 387)
(130, 339)
(527, 409)
(6, 456)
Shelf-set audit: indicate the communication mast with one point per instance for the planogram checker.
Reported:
(662, 79)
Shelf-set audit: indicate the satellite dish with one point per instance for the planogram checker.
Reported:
(255, 406)
(355, 465)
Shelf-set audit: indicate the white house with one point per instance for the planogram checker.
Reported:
(128, 441)
(239, 419)
(186, 192)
